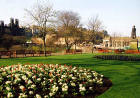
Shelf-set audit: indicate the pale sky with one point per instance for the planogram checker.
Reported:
(117, 15)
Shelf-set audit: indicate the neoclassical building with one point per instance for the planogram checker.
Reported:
(120, 42)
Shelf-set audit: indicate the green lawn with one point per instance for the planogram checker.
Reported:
(125, 75)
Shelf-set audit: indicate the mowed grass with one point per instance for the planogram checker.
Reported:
(125, 75)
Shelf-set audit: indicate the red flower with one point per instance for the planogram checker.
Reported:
(84, 82)
(26, 81)
(24, 89)
(51, 81)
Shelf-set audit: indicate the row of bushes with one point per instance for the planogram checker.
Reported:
(118, 57)
(119, 51)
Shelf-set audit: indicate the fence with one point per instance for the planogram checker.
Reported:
(23, 53)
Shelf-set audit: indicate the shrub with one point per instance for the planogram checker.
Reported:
(118, 57)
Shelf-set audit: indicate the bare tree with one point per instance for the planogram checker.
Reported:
(94, 34)
(42, 14)
(95, 24)
(68, 23)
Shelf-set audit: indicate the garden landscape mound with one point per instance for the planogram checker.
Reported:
(48, 80)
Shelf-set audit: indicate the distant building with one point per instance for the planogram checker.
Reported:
(34, 29)
(12, 28)
(116, 42)
(120, 42)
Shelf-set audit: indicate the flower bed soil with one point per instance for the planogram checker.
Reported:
(98, 90)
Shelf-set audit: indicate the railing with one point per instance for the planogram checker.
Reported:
(23, 53)
(5, 53)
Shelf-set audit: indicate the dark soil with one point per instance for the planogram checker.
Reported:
(98, 90)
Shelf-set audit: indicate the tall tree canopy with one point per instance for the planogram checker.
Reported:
(68, 23)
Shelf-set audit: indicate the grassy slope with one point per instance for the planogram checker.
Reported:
(125, 75)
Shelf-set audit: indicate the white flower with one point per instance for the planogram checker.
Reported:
(21, 87)
(31, 92)
(29, 74)
(38, 96)
(24, 77)
(63, 76)
(8, 76)
(60, 83)
(43, 83)
(40, 74)
(30, 82)
(81, 89)
(102, 75)
(38, 79)
(17, 75)
(89, 76)
(54, 88)
(46, 96)
(33, 86)
(18, 79)
(8, 88)
(64, 87)
(94, 80)
(44, 78)
(99, 82)
(95, 74)
(73, 78)
(90, 81)
(80, 85)
(90, 88)
(51, 94)
(22, 95)
(85, 74)
(10, 95)
(4, 74)
(34, 77)
(7, 82)
(73, 84)
(71, 75)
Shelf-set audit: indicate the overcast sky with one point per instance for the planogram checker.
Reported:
(117, 15)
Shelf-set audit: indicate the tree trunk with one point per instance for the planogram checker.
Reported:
(92, 48)
(75, 49)
(44, 46)
(75, 46)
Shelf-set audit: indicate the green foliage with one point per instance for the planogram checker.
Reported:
(35, 48)
(95, 37)
(7, 41)
(19, 40)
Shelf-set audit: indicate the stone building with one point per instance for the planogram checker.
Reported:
(116, 42)
(120, 42)
(12, 28)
